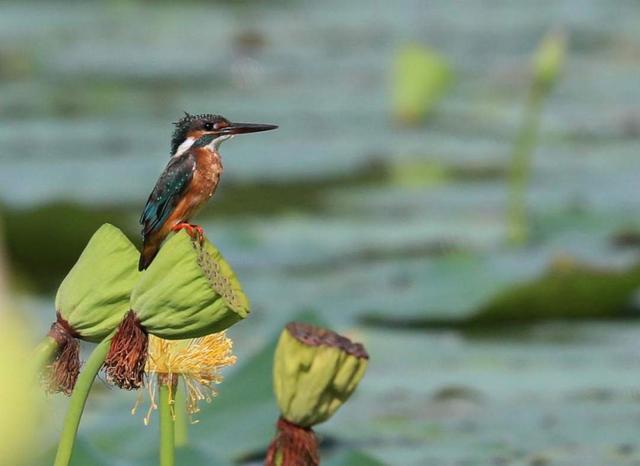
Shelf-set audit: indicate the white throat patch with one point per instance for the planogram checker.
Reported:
(215, 144)
(185, 146)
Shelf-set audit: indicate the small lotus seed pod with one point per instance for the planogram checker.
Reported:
(188, 291)
(315, 371)
(91, 301)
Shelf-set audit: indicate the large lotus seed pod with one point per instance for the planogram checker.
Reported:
(188, 291)
(315, 371)
(94, 296)
(91, 301)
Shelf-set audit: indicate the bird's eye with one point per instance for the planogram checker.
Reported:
(208, 126)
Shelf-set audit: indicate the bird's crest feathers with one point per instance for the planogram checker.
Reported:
(188, 122)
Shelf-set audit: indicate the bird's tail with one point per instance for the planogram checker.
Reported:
(149, 251)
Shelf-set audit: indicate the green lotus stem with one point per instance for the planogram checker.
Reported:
(182, 421)
(547, 65)
(44, 353)
(167, 385)
(520, 171)
(78, 401)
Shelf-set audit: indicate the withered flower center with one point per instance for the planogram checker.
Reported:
(317, 336)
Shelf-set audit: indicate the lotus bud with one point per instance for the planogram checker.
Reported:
(550, 58)
(315, 371)
(91, 301)
(420, 78)
(188, 291)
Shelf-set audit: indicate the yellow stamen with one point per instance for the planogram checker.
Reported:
(197, 361)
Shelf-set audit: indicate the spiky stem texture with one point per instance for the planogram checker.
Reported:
(78, 401)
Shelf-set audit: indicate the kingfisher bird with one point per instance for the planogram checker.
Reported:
(189, 179)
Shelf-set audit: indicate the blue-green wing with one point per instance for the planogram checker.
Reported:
(168, 191)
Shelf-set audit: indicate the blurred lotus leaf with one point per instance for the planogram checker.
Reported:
(420, 79)
(315, 371)
(67, 225)
(568, 290)
(353, 458)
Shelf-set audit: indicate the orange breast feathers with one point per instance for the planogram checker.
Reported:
(204, 183)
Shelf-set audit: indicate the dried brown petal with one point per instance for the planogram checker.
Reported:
(60, 376)
(293, 446)
(127, 355)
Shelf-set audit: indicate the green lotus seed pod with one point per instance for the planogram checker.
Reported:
(90, 303)
(94, 296)
(315, 371)
(188, 291)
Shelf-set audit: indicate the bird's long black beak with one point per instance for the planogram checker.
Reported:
(244, 128)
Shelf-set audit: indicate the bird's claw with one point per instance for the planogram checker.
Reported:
(199, 234)
(194, 231)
